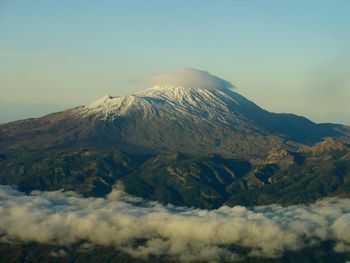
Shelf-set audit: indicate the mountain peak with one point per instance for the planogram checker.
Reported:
(188, 78)
(189, 91)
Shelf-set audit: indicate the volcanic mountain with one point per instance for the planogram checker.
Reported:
(190, 140)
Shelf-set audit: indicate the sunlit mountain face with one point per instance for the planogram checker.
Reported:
(186, 170)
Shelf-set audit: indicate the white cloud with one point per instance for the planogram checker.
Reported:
(189, 78)
(149, 228)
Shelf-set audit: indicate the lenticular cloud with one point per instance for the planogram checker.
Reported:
(189, 78)
(143, 228)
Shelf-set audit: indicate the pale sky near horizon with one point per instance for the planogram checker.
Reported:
(286, 56)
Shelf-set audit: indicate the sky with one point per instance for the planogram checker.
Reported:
(286, 56)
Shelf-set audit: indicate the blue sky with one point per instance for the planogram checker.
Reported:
(287, 56)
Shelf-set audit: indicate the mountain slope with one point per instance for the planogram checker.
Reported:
(193, 120)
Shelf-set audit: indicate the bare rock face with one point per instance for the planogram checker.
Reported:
(280, 156)
(284, 158)
(328, 147)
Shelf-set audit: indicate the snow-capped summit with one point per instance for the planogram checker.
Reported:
(167, 99)
(188, 91)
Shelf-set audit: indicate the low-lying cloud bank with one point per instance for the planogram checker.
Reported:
(149, 228)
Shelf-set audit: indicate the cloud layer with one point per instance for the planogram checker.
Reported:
(148, 228)
(189, 78)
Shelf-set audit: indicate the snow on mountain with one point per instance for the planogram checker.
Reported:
(170, 101)
(215, 95)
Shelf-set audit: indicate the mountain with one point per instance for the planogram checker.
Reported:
(188, 140)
